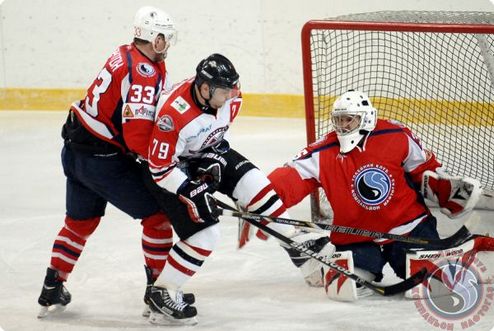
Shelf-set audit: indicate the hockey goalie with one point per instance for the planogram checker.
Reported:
(375, 174)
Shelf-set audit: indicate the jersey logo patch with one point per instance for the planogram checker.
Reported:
(128, 113)
(145, 69)
(212, 139)
(165, 123)
(372, 186)
(139, 111)
(180, 105)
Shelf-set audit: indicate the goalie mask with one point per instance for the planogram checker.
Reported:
(149, 22)
(352, 117)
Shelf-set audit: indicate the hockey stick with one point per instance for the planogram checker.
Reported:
(400, 287)
(454, 240)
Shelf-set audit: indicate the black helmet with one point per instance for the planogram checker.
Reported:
(217, 71)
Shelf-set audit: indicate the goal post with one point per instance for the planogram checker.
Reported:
(433, 71)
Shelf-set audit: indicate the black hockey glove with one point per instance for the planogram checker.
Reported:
(210, 174)
(209, 169)
(196, 196)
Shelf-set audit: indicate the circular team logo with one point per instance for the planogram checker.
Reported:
(165, 123)
(455, 295)
(372, 186)
(145, 69)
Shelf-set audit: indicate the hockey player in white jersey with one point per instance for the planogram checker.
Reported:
(189, 159)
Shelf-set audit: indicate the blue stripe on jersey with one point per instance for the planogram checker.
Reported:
(157, 88)
(129, 69)
(385, 131)
(335, 144)
(317, 150)
(161, 173)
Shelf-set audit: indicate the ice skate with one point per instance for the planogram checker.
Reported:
(168, 308)
(54, 296)
(188, 298)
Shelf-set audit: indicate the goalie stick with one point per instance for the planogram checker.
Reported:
(400, 287)
(457, 238)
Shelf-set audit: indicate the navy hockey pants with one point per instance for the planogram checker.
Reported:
(372, 257)
(94, 180)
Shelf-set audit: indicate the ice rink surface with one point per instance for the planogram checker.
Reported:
(256, 288)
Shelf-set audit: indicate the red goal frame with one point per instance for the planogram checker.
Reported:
(365, 26)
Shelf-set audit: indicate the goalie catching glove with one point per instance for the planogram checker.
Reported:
(455, 195)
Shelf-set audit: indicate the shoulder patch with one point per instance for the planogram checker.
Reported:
(145, 69)
(165, 123)
(180, 105)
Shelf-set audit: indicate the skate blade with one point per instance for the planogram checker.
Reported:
(51, 310)
(146, 312)
(161, 319)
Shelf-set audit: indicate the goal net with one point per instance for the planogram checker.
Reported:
(433, 71)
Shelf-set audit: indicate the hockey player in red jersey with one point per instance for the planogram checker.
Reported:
(113, 121)
(375, 174)
(189, 159)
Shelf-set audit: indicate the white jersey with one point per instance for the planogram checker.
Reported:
(183, 130)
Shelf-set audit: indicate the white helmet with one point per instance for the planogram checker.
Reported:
(150, 21)
(352, 117)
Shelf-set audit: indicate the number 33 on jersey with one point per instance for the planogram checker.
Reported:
(120, 104)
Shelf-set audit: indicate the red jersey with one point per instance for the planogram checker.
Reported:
(369, 187)
(184, 130)
(121, 102)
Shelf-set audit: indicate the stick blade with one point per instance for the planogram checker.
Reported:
(407, 284)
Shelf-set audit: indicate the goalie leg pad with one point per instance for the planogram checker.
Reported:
(311, 269)
(452, 271)
(338, 286)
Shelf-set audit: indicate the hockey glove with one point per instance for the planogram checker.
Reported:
(209, 169)
(196, 196)
(455, 195)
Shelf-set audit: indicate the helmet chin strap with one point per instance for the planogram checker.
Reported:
(164, 51)
(206, 101)
(211, 92)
